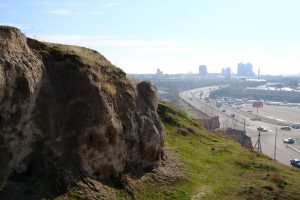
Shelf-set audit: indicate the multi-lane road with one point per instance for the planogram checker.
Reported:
(284, 152)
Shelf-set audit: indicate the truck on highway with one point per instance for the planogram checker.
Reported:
(286, 128)
(218, 104)
(261, 129)
(296, 125)
(207, 99)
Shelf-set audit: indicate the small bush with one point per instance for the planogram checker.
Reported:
(182, 131)
(242, 162)
(109, 88)
(277, 178)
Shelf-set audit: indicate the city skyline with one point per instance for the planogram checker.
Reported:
(171, 35)
(203, 70)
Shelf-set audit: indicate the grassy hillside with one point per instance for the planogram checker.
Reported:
(216, 168)
(201, 165)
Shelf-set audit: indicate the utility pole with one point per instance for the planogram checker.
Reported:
(275, 144)
(257, 145)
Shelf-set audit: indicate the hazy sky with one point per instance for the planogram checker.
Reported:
(173, 35)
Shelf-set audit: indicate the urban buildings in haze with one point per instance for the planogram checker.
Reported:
(245, 70)
(226, 72)
(159, 73)
(202, 70)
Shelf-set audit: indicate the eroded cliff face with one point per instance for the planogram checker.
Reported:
(67, 106)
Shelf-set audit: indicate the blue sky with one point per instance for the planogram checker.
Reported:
(173, 35)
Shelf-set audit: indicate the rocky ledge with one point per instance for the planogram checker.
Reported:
(66, 111)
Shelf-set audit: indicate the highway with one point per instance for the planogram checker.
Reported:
(196, 98)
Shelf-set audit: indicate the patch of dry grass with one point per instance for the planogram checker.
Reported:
(109, 88)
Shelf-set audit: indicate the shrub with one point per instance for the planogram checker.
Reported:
(109, 88)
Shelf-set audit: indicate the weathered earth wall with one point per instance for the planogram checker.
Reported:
(68, 106)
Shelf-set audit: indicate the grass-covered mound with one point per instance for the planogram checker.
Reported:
(202, 165)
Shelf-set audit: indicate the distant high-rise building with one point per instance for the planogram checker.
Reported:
(245, 70)
(159, 72)
(202, 70)
(226, 72)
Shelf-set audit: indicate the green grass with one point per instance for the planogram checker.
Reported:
(217, 168)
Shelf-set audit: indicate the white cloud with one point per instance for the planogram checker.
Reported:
(128, 43)
(71, 7)
(112, 4)
(66, 12)
(96, 13)
(60, 12)
(50, 4)
(172, 49)
(100, 41)
(23, 27)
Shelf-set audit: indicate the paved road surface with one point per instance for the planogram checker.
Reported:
(287, 114)
(284, 152)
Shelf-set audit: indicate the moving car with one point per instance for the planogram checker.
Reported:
(286, 128)
(289, 141)
(296, 125)
(262, 129)
(295, 163)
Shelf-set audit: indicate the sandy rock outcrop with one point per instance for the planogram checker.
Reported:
(68, 107)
